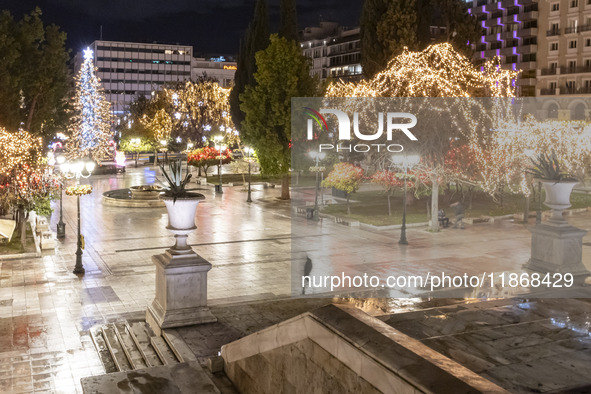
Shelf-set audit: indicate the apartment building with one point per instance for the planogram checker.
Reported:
(129, 69)
(564, 50)
(218, 68)
(510, 31)
(335, 51)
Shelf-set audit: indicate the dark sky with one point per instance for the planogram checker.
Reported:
(211, 26)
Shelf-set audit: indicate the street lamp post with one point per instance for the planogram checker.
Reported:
(220, 148)
(539, 207)
(405, 162)
(317, 156)
(76, 171)
(248, 151)
(61, 226)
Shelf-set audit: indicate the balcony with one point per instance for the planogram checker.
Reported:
(548, 71)
(575, 70)
(528, 32)
(585, 28)
(568, 90)
(547, 92)
(584, 90)
(526, 49)
(553, 32)
(572, 30)
(526, 66)
(526, 16)
(492, 22)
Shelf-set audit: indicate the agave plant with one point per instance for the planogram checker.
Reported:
(547, 167)
(176, 183)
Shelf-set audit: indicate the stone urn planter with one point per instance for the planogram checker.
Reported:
(146, 192)
(556, 246)
(558, 197)
(181, 274)
(181, 219)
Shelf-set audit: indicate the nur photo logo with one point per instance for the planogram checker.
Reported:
(394, 122)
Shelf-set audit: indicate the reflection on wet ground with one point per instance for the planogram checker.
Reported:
(46, 311)
(523, 345)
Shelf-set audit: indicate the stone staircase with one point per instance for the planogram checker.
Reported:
(129, 349)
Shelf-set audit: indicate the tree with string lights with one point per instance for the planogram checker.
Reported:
(90, 124)
(25, 182)
(438, 71)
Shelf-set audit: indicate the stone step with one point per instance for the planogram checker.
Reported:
(163, 351)
(100, 344)
(179, 378)
(180, 349)
(141, 336)
(129, 346)
(116, 348)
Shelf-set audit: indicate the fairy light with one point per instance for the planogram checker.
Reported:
(90, 125)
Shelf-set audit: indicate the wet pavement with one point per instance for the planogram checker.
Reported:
(524, 346)
(46, 311)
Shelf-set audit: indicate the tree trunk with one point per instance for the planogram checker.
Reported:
(389, 206)
(22, 228)
(31, 112)
(285, 187)
(526, 210)
(428, 210)
(348, 206)
(434, 203)
(156, 158)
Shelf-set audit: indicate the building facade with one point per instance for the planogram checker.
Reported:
(217, 68)
(510, 31)
(334, 51)
(128, 69)
(564, 66)
(548, 40)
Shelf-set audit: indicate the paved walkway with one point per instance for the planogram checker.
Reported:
(46, 311)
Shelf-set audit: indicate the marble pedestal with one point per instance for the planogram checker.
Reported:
(181, 291)
(557, 247)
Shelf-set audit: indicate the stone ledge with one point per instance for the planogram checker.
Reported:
(376, 352)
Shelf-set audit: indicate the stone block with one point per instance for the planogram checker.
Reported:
(557, 249)
(181, 292)
(47, 241)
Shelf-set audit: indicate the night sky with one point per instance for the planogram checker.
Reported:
(211, 26)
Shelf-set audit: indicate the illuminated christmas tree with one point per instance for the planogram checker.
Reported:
(90, 125)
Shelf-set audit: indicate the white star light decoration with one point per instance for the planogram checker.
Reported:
(88, 54)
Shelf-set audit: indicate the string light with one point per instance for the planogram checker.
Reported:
(90, 125)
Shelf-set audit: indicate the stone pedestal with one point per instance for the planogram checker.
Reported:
(557, 247)
(181, 291)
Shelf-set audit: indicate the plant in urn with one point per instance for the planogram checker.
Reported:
(181, 205)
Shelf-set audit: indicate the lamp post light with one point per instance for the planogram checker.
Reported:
(164, 149)
(61, 226)
(405, 162)
(317, 156)
(248, 152)
(75, 170)
(220, 149)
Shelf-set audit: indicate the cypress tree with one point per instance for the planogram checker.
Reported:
(288, 27)
(372, 49)
(256, 38)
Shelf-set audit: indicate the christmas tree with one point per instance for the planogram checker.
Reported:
(90, 125)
